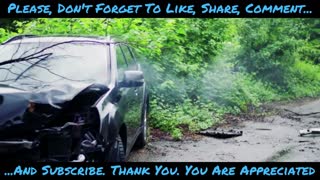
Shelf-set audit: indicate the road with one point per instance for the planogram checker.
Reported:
(271, 139)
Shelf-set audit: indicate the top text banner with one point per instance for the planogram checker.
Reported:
(159, 8)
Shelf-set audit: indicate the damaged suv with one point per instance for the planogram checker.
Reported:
(70, 99)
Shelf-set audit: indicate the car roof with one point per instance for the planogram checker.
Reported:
(57, 38)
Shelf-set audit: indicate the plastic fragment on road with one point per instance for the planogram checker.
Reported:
(311, 131)
(222, 134)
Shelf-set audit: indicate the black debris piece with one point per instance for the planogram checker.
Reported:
(220, 133)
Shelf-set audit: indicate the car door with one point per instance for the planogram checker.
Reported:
(131, 97)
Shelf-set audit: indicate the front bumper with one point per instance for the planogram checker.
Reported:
(11, 146)
(17, 150)
(51, 144)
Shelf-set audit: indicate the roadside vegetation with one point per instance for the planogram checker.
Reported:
(199, 70)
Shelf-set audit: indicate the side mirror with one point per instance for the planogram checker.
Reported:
(132, 79)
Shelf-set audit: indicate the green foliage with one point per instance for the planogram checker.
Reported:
(283, 53)
(4, 34)
(238, 91)
(310, 51)
(270, 45)
(192, 115)
(231, 88)
(304, 80)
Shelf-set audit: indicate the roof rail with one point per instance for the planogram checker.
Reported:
(18, 37)
(24, 36)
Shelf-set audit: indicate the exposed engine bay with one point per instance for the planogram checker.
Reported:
(42, 127)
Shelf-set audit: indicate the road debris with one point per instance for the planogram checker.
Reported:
(222, 134)
(310, 131)
(264, 129)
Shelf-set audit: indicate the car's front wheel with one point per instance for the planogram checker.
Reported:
(117, 151)
(143, 137)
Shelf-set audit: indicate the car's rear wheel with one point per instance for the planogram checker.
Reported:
(117, 151)
(143, 137)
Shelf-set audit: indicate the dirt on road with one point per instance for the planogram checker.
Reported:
(272, 138)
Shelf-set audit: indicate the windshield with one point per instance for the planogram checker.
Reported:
(38, 64)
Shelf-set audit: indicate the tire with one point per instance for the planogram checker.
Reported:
(117, 151)
(143, 136)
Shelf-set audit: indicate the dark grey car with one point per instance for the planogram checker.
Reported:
(70, 99)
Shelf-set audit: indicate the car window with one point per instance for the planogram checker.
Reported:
(129, 57)
(125, 60)
(121, 63)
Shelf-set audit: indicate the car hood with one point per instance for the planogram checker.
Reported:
(47, 94)
(15, 101)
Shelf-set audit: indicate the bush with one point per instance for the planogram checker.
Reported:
(304, 80)
(175, 118)
(234, 90)
(4, 35)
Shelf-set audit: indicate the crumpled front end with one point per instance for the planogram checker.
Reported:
(58, 143)
(52, 144)
(52, 131)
